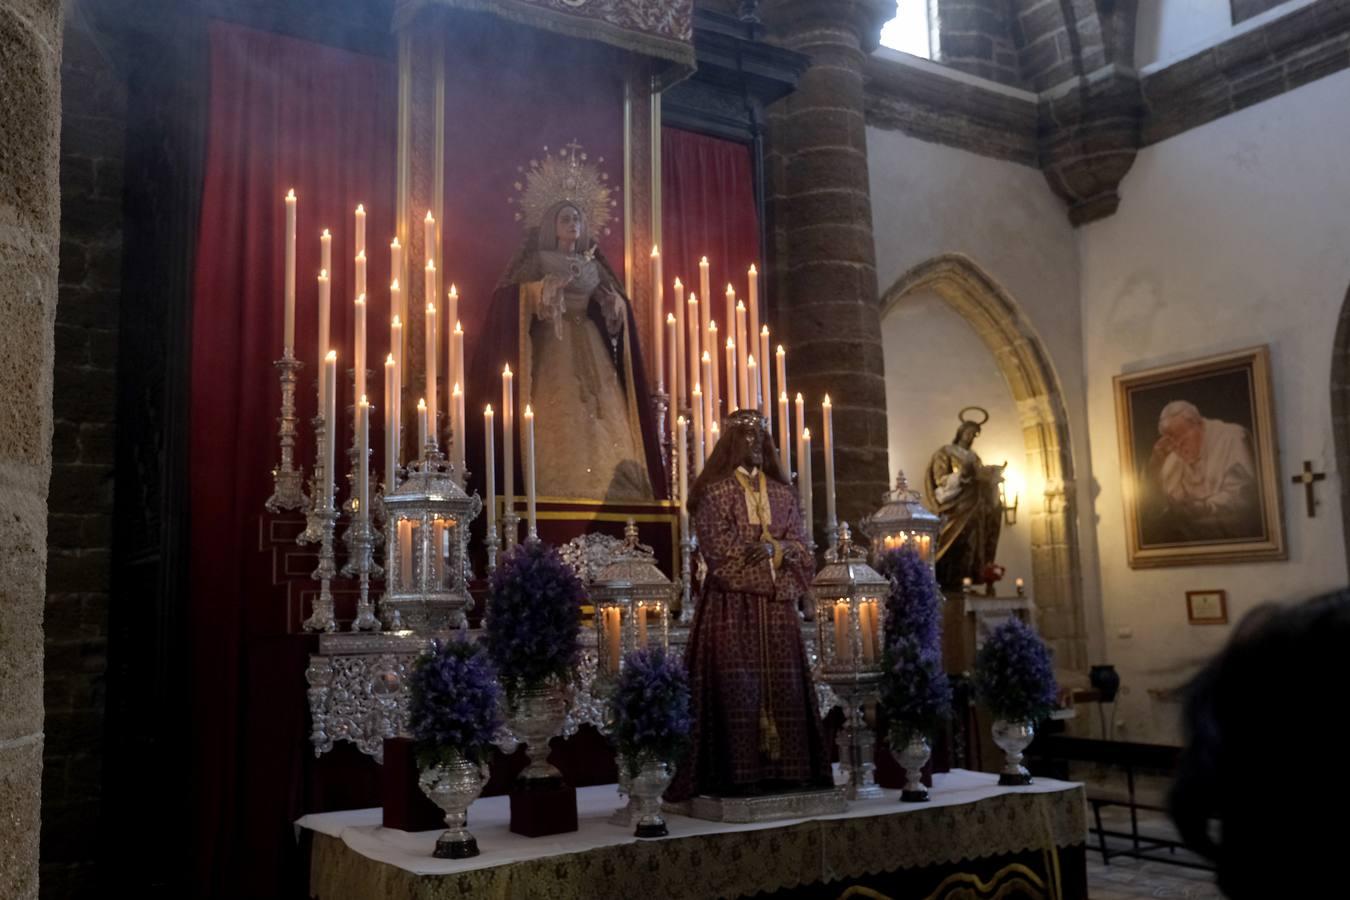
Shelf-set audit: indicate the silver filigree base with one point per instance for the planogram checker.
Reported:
(453, 787)
(1012, 738)
(647, 787)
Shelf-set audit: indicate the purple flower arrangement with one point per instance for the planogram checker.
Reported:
(915, 691)
(533, 616)
(1014, 676)
(453, 708)
(650, 708)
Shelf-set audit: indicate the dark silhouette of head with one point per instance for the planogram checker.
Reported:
(746, 441)
(1259, 786)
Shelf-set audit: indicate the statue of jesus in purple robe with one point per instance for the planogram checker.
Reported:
(756, 728)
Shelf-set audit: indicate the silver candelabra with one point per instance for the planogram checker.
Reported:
(287, 491)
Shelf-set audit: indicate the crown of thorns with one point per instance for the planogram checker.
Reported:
(749, 418)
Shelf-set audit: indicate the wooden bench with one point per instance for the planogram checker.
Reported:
(1132, 758)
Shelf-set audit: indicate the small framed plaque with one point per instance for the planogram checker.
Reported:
(1207, 607)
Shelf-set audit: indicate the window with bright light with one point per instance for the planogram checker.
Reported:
(908, 31)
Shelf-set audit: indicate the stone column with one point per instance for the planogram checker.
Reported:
(823, 280)
(30, 60)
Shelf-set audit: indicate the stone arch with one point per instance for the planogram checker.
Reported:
(1340, 411)
(1021, 357)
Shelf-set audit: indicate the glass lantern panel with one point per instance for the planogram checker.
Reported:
(843, 637)
(871, 633)
(443, 571)
(409, 557)
(611, 637)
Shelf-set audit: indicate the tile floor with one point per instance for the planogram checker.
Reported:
(1130, 879)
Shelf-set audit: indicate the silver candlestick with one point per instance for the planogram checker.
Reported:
(511, 528)
(287, 480)
(661, 403)
(494, 543)
(323, 618)
(686, 580)
(320, 483)
(349, 568)
(363, 543)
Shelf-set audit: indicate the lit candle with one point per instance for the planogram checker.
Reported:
(396, 267)
(804, 487)
(709, 411)
(691, 318)
(784, 430)
(765, 397)
(431, 364)
(360, 228)
(678, 398)
(363, 459)
(490, 461)
(325, 320)
(752, 381)
(390, 425)
(745, 349)
(330, 424)
(422, 428)
(429, 238)
(714, 432)
(780, 368)
(453, 368)
(361, 272)
(396, 400)
(801, 426)
(843, 635)
(360, 345)
(710, 346)
(682, 464)
(731, 326)
(672, 338)
(704, 291)
(288, 344)
(658, 306)
(530, 498)
(697, 409)
(508, 439)
(732, 405)
(641, 627)
(754, 309)
(866, 616)
(325, 252)
(457, 345)
(613, 637)
(827, 417)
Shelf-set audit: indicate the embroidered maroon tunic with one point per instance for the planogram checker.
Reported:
(746, 661)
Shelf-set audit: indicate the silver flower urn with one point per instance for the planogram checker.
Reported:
(1012, 737)
(536, 716)
(627, 814)
(453, 786)
(646, 789)
(913, 756)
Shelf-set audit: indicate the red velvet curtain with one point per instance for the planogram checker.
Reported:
(707, 209)
(283, 114)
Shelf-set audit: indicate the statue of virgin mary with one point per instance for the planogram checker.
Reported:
(560, 318)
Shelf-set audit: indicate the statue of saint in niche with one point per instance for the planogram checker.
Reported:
(964, 492)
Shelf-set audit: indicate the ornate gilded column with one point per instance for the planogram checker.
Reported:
(824, 281)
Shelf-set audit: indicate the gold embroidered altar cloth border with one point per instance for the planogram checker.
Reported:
(663, 29)
(736, 863)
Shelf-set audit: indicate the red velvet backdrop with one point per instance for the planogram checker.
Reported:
(707, 209)
(283, 114)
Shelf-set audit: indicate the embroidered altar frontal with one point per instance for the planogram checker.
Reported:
(974, 840)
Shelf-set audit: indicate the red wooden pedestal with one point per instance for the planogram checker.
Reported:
(405, 806)
(543, 809)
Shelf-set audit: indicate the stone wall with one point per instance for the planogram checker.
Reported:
(30, 78)
(83, 450)
(975, 36)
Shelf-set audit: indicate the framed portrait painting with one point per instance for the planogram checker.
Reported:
(1199, 467)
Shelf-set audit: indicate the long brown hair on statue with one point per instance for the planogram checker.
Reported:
(729, 452)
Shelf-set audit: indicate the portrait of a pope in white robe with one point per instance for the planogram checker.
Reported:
(1202, 480)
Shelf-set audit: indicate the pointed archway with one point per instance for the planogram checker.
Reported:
(1340, 411)
(1021, 358)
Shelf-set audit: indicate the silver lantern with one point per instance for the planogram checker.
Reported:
(850, 601)
(903, 521)
(426, 545)
(632, 599)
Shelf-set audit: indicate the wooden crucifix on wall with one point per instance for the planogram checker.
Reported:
(1308, 478)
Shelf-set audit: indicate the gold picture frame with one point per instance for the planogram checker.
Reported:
(1207, 607)
(1199, 463)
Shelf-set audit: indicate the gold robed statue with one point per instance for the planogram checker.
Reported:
(559, 316)
(964, 492)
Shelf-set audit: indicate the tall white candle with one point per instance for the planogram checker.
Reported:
(711, 346)
(781, 368)
(490, 463)
(784, 437)
(696, 404)
(673, 377)
(457, 345)
(765, 397)
(754, 309)
(732, 399)
(744, 349)
(431, 368)
(325, 320)
(452, 372)
(679, 398)
(396, 267)
(363, 459)
(390, 425)
(422, 428)
(658, 319)
(325, 252)
(359, 344)
(691, 318)
(330, 424)
(827, 417)
(752, 400)
(361, 272)
(730, 322)
(360, 228)
(429, 238)
(704, 291)
(396, 401)
(804, 487)
(508, 438)
(530, 498)
(457, 422)
(288, 343)
(800, 428)
(705, 377)
(682, 464)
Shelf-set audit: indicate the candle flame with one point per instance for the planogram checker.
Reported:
(454, 291)
(458, 330)
(680, 420)
(678, 284)
(826, 402)
(655, 252)
(361, 257)
(430, 217)
(364, 402)
(783, 397)
(360, 209)
(781, 351)
(693, 299)
(431, 265)
(487, 410)
(456, 392)
(529, 411)
(698, 389)
(325, 235)
(394, 244)
(712, 326)
(753, 270)
(749, 360)
(799, 396)
(731, 345)
(323, 274)
(422, 405)
(806, 434)
(332, 356)
(506, 372)
(431, 309)
(764, 331)
(740, 306)
(290, 195)
(389, 360)
(707, 357)
(670, 318)
(360, 299)
(716, 428)
(703, 261)
(397, 323)
(393, 285)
